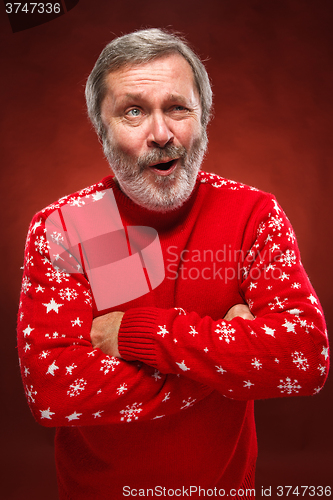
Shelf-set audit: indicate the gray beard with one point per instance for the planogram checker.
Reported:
(150, 190)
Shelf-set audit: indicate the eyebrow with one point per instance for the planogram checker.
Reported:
(133, 96)
(179, 98)
(169, 98)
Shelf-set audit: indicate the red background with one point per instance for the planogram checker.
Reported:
(270, 62)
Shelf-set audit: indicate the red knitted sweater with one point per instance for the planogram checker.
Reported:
(177, 411)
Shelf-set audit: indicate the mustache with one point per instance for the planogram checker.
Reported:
(167, 153)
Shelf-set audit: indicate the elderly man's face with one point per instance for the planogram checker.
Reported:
(155, 141)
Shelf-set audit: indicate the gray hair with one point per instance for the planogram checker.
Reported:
(137, 48)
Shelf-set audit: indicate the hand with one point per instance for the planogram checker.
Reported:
(239, 311)
(104, 333)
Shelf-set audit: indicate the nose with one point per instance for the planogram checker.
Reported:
(159, 134)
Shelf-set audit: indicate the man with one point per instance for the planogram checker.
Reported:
(152, 393)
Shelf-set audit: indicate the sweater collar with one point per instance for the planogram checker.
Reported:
(137, 215)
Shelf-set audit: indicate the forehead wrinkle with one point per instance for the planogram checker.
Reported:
(172, 82)
(160, 69)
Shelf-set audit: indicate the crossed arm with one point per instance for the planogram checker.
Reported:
(105, 329)
(240, 356)
(275, 347)
(282, 351)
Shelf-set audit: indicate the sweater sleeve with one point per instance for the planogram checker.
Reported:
(66, 381)
(282, 352)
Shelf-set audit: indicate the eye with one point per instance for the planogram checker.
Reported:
(134, 112)
(180, 108)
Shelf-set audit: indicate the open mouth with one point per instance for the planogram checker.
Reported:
(164, 168)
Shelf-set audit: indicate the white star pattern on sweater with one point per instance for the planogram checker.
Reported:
(74, 416)
(52, 368)
(173, 356)
(52, 306)
(268, 330)
(182, 366)
(27, 331)
(47, 413)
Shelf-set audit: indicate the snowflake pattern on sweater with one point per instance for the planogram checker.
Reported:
(72, 382)
(282, 352)
(173, 357)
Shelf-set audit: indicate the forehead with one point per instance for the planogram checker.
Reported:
(170, 73)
